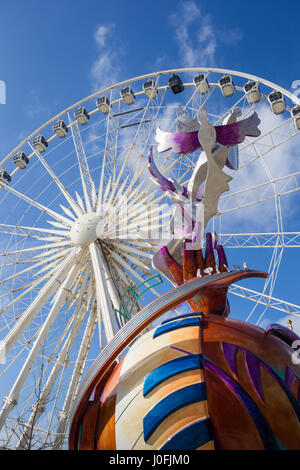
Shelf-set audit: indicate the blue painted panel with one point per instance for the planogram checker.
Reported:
(186, 396)
(191, 437)
(193, 314)
(170, 369)
(194, 321)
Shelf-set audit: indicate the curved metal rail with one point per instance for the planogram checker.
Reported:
(136, 325)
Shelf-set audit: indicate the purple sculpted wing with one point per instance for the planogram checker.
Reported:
(164, 183)
(235, 133)
(179, 142)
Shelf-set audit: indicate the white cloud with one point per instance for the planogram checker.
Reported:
(295, 323)
(197, 36)
(37, 107)
(284, 321)
(194, 49)
(105, 69)
(101, 34)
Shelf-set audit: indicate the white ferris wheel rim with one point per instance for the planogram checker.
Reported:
(207, 70)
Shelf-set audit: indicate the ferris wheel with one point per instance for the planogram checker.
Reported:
(76, 254)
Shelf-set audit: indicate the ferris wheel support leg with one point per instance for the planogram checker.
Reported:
(39, 407)
(74, 383)
(113, 292)
(11, 400)
(102, 291)
(37, 304)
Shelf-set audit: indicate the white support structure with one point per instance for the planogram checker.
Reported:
(112, 289)
(74, 382)
(60, 297)
(102, 291)
(266, 300)
(40, 300)
(260, 240)
(78, 315)
(261, 192)
(250, 151)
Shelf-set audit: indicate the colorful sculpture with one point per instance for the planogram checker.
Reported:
(200, 380)
(189, 141)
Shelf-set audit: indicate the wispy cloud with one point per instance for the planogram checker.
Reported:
(194, 48)
(197, 36)
(283, 320)
(37, 106)
(106, 68)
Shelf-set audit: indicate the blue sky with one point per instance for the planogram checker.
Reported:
(54, 53)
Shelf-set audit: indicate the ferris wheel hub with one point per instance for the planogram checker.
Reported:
(85, 229)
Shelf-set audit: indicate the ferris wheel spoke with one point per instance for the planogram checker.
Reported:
(146, 230)
(151, 214)
(68, 212)
(30, 288)
(59, 184)
(37, 248)
(132, 211)
(32, 267)
(144, 265)
(123, 264)
(124, 280)
(147, 129)
(118, 208)
(125, 161)
(109, 125)
(27, 231)
(47, 267)
(85, 174)
(229, 110)
(129, 207)
(75, 379)
(65, 222)
(40, 300)
(60, 297)
(107, 191)
(52, 252)
(119, 193)
(131, 249)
